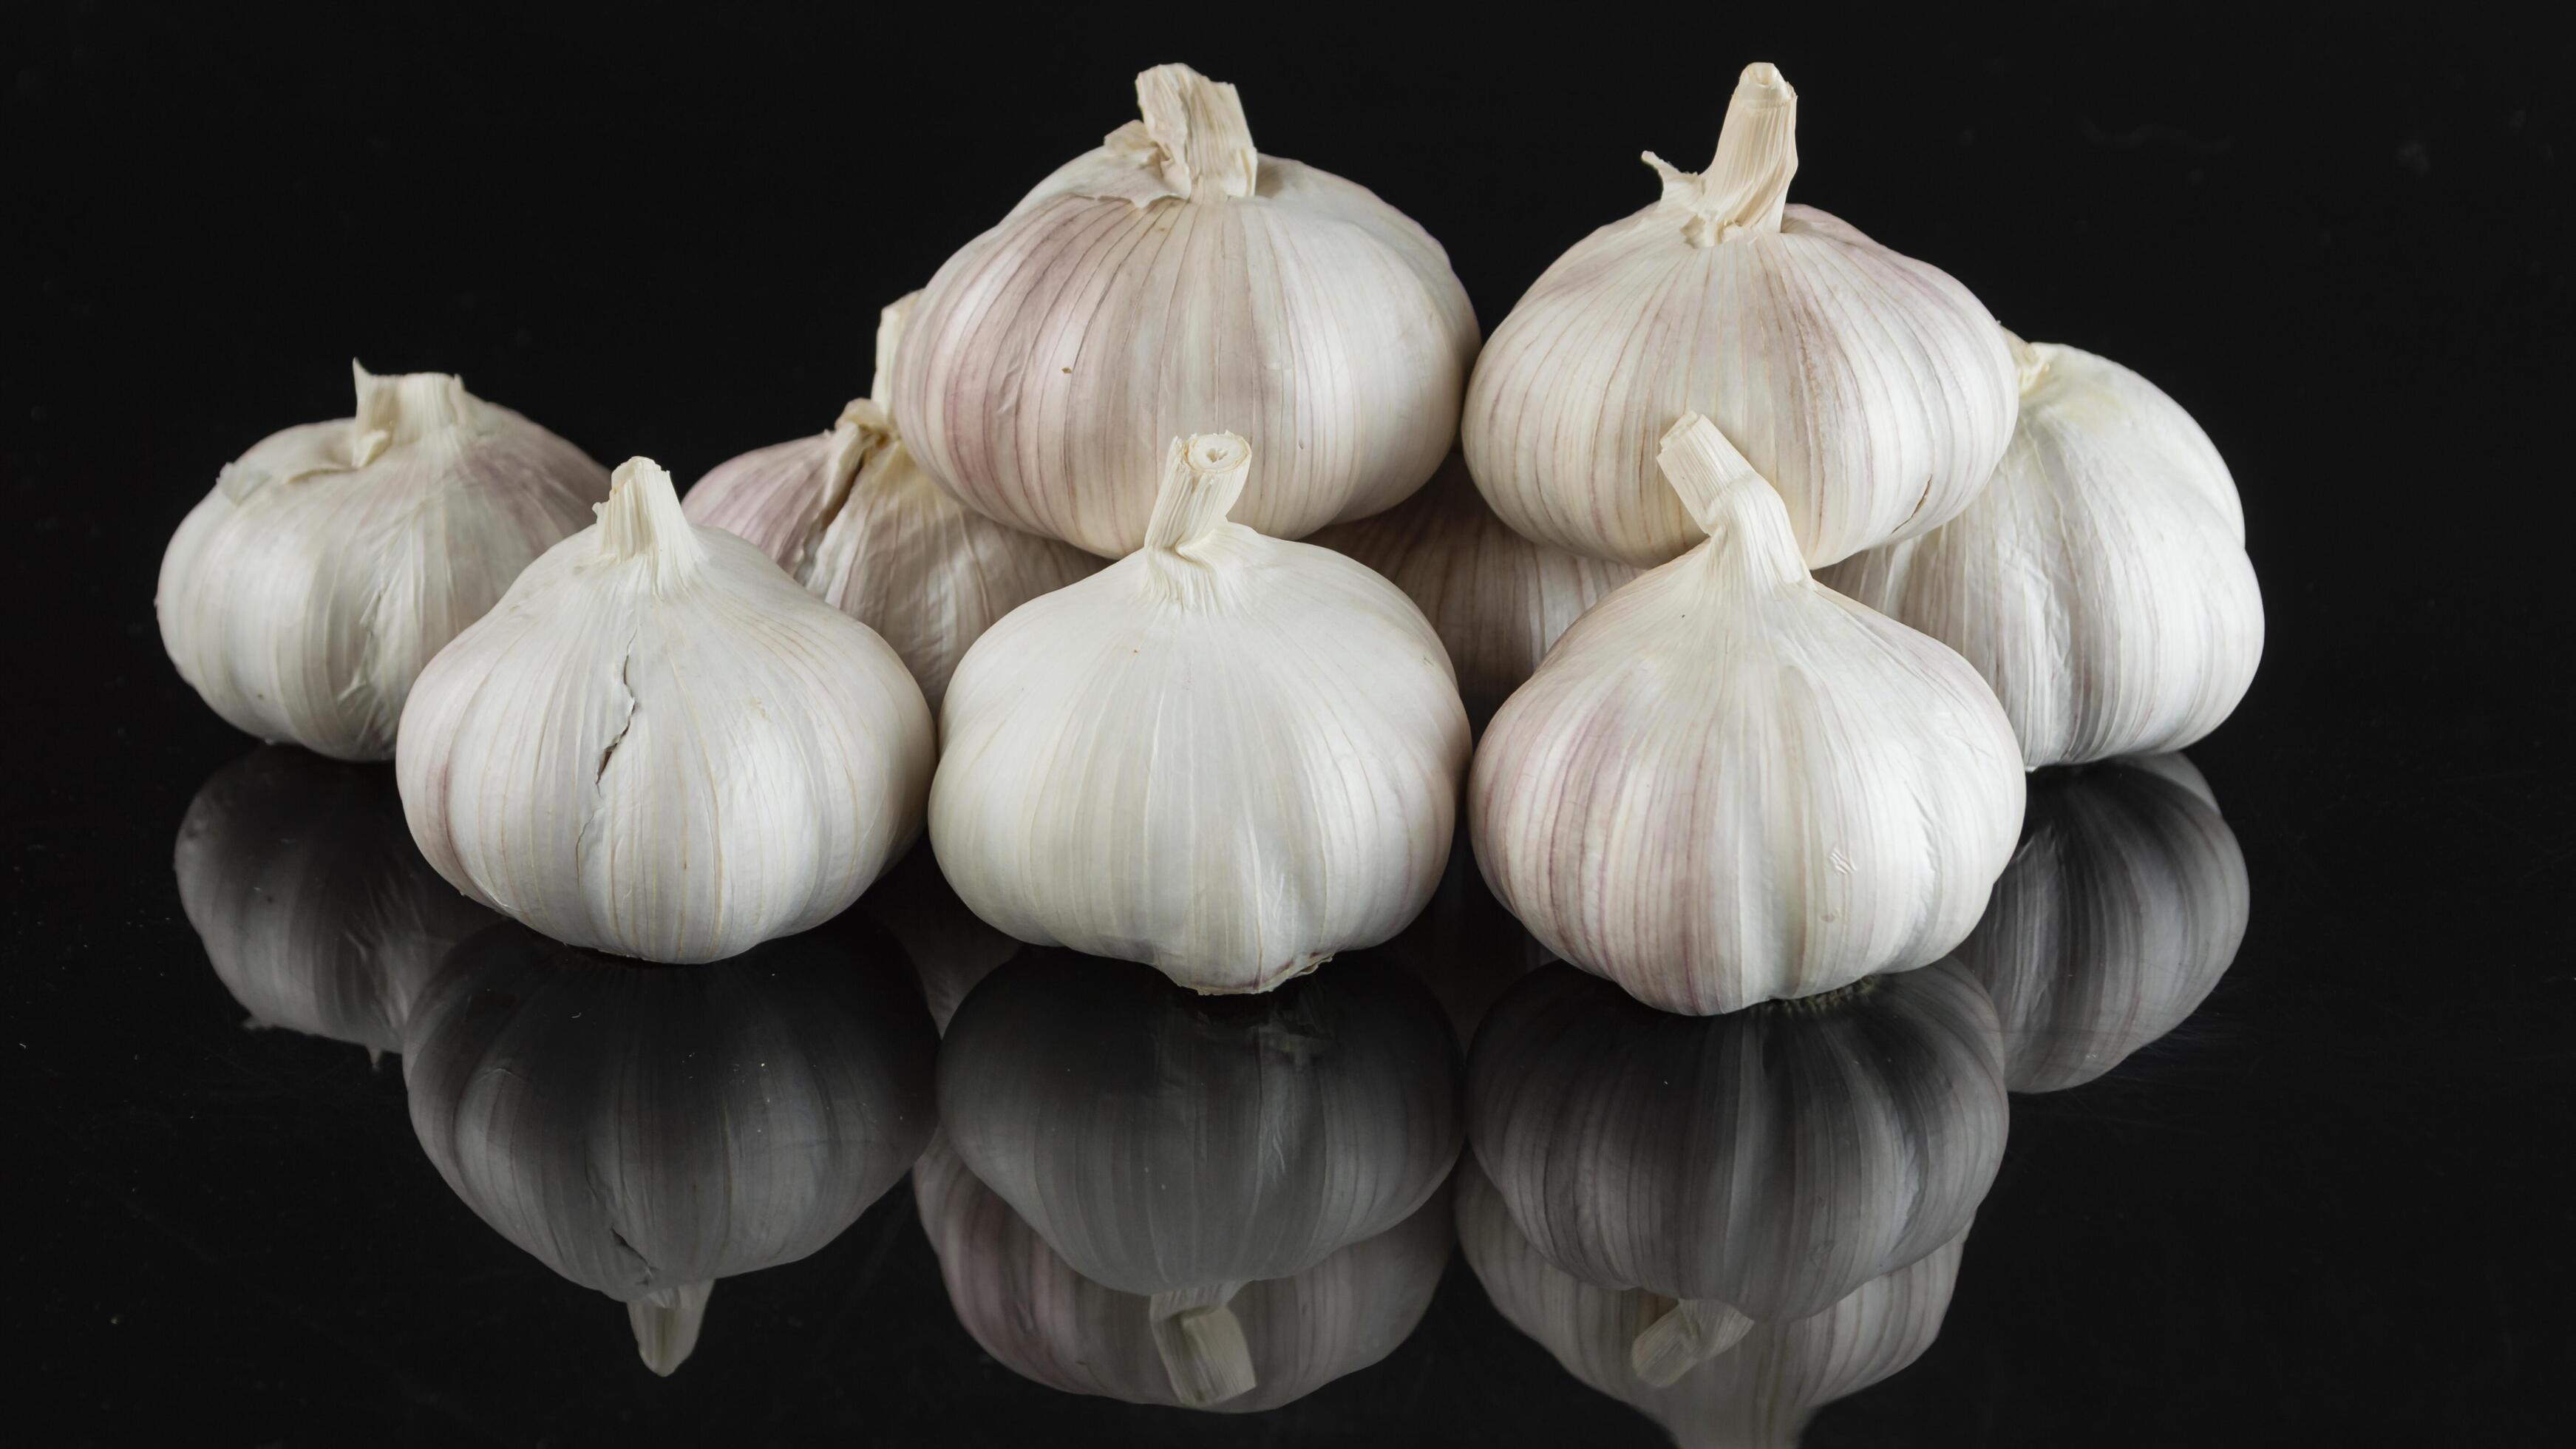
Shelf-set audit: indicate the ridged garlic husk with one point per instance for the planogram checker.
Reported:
(1872, 389)
(1280, 1340)
(315, 908)
(1754, 1167)
(647, 1132)
(1175, 1146)
(852, 517)
(2122, 909)
(1226, 755)
(659, 745)
(1498, 600)
(1759, 1391)
(1729, 784)
(1173, 281)
(302, 597)
(2100, 583)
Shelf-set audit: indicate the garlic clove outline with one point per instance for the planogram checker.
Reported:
(1872, 389)
(1728, 784)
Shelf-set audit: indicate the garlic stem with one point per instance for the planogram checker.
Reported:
(666, 1324)
(1685, 1335)
(1747, 183)
(1202, 144)
(1733, 503)
(642, 520)
(404, 408)
(890, 325)
(1201, 1344)
(1202, 477)
(2029, 363)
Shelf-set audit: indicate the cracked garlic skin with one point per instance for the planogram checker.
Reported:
(302, 597)
(1172, 280)
(1226, 755)
(1729, 784)
(1499, 601)
(1873, 390)
(2100, 583)
(852, 517)
(659, 745)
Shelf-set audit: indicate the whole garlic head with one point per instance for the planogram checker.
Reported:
(1499, 601)
(304, 594)
(1730, 784)
(1226, 756)
(661, 746)
(851, 516)
(1172, 281)
(2100, 583)
(1873, 390)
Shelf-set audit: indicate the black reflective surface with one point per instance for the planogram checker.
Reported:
(2276, 1039)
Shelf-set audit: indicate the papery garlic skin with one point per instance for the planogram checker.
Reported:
(1174, 281)
(2100, 583)
(1873, 390)
(852, 517)
(659, 745)
(302, 597)
(1499, 601)
(1729, 784)
(1226, 756)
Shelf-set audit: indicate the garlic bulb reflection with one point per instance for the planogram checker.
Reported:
(1028, 1308)
(302, 597)
(1172, 281)
(1178, 1146)
(1758, 1391)
(852, 517)
(1871, 389)
(646, 1132)
(1729, 784)
(1772, 1160)
(1464, 946)
(1225, 755)
(658, 745)
(315, 907)
(2100, 584)
(2123, 907)
(949, 948)
(1498, 601)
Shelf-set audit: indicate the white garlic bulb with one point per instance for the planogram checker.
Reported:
(1870, 388)
(332, 560)
(1226, 755)
(1730, 784)
(660, 745)
(1499, 601)
(1174, 281)
(2100, 584)
(851, 516)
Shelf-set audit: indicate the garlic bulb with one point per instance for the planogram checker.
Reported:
(852, 517)
(658, 745)
(1281, 1339)
(316, 909)
(2100, 584)
(645, 1132)
(1730, 784)
(303, 595)
(1871, 389)
(1176, 1146)
(1757, 1166)
(1761, 1390)
(1499, 601)
(1224, 755)
(2123, 907)
(1173, 281)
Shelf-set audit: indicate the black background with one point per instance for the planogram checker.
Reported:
(2331, 1208)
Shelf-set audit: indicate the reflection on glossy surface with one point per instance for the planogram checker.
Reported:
(1464, 945)
(645, 1131)
(2122, 907)
(1761, 1388)
(950, 947)
(314, 905)
(1178, 1146)
(1773, 1159)
(1033, 1312)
